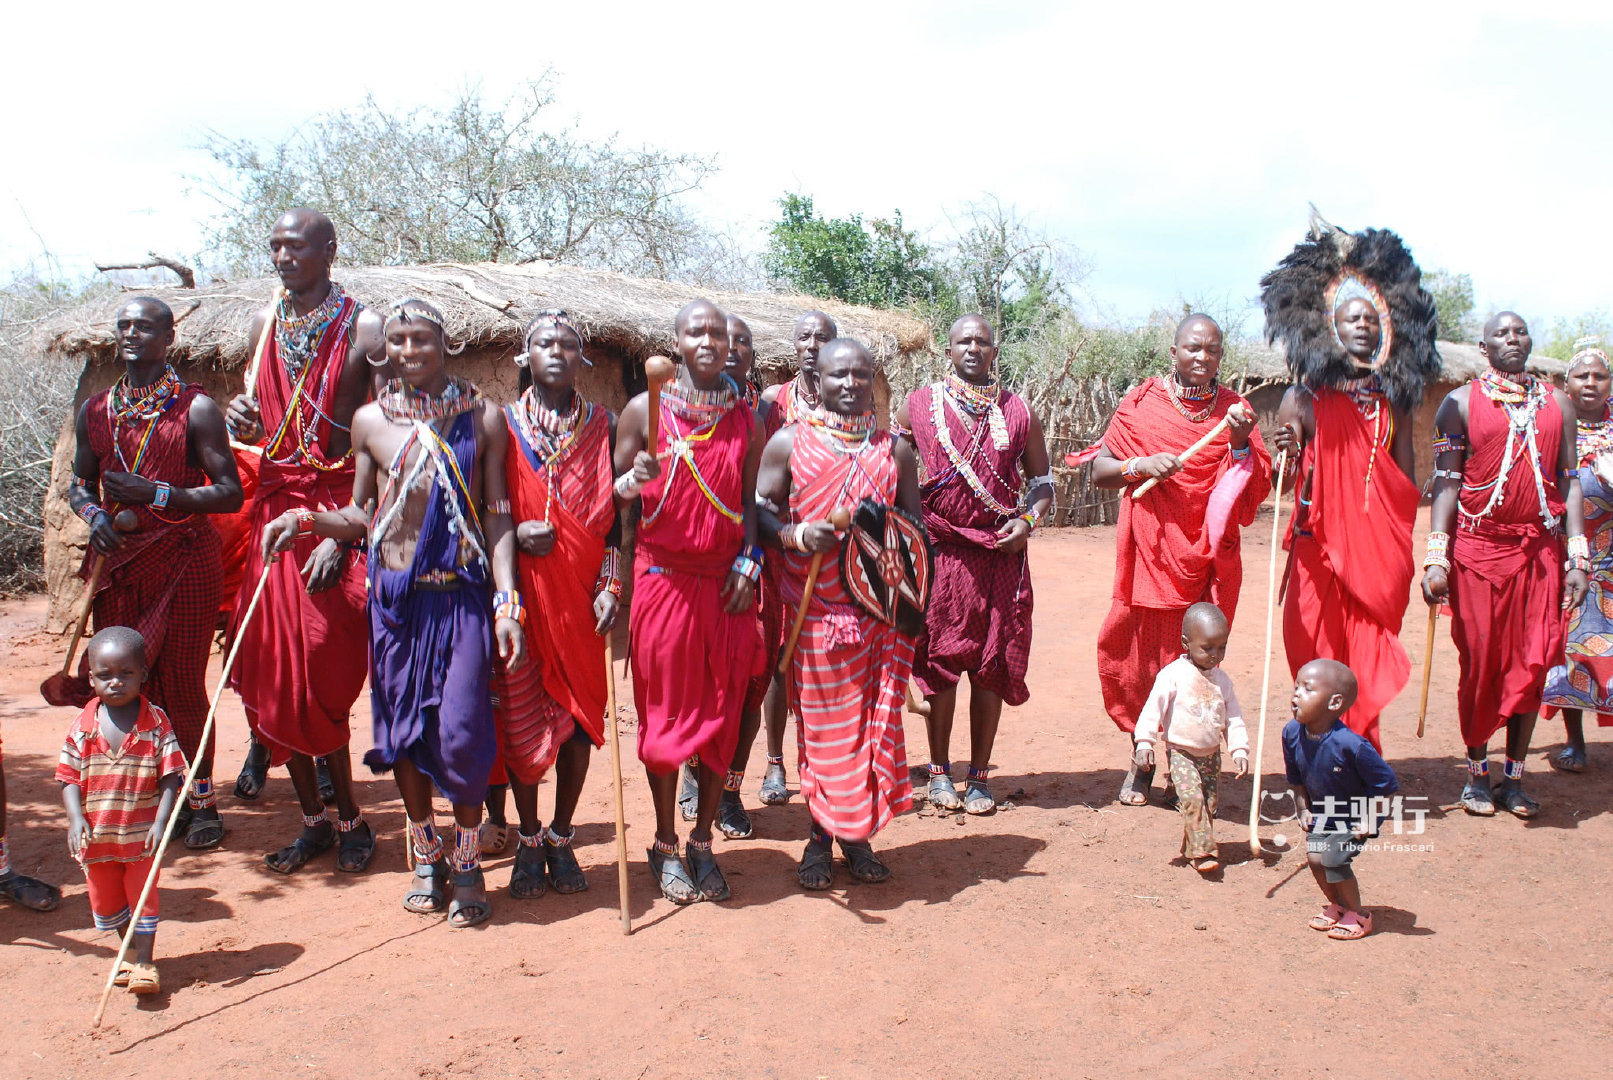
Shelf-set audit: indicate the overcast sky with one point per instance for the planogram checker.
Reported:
(1175, 145)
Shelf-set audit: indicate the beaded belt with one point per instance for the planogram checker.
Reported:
(438, 581)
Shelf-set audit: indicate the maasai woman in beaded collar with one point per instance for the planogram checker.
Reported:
(1585, 681)
(1357, 329)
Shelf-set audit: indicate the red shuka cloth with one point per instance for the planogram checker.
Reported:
(235, 530)
(849, 671)
(305, 656)
(1350, 562)
(1506, 573)
(691, 659)
(165, 579)
(563, 680)
(1164, 559)
(979, 619)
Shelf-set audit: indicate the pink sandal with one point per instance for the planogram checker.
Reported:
(1354, 924)
(1327, 918)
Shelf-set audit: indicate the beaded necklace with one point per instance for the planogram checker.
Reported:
(980, 400)
(704, 410)
(298, 336)
(1373, 403)
(1595, 437)
(1179, 393)
(798, 403)
(304, 413)
(551, 434)
(960, 463)
(849, 435)
(1522, 401)
(402, 403)
(124, 407)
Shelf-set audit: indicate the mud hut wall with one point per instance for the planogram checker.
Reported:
(66, 537)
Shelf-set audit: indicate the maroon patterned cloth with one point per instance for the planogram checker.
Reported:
(979, 618)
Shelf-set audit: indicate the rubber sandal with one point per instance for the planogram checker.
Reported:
(565, 876)
(672, 877)
(1207, 864)
(464, 914)
(355, 848)
(1569, 759)
(817, 869)
(493, 838)
(125, 969)
(290, 859)
(1510, 797)
(143, 980)
(327, 789)
(1134, 791)
(863, 864)
(1351, 926)
(1327, 918)
(732, 820)
(707, 875)
(527, 880)
(689, 793)
(944, 793)
(427, 893)
(204, 833)
(254, 772)
(30, 893)
(977, 799)
(774, 791)
(1477, 798)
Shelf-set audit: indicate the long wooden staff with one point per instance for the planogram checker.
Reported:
(190, 775)
(616, 774)
(1428, 668)
(1265, 679)
(57, 688)
(1148, 485)
(839, 519)
(263, 341)
(657, 370)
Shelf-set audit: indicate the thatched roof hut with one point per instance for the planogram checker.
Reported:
(624, 320)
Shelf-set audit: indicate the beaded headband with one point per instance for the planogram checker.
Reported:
(404, 310)
(549, 317)
(1587, 349)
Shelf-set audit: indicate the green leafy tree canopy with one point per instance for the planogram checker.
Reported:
(879, 263)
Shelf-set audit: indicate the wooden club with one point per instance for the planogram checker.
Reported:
(1428, 668)
(657, 370)
(616, 773)
(839, 519)
(1148, 485)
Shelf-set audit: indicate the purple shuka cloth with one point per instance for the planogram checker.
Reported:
(431, 652)
(979, 619)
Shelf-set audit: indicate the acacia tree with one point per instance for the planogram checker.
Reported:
(879, 262)
(469, 183)
(1453, 305)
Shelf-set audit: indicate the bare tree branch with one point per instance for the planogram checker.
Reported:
(187, 276)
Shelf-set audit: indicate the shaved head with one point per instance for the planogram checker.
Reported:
(118, 640)
(809, 318)
(1206, 619)
(154, 309)
(1333, 678)
(1196, 319)
(310, 223)
(1494, 321)
(850, 348)
(965, 320)
(691, 309)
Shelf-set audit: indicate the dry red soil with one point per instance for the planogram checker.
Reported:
(1061, 937)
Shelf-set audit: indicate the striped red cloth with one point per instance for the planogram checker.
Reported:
(119, 789)
(849, 672)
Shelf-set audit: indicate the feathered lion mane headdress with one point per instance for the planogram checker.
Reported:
(1329, 268)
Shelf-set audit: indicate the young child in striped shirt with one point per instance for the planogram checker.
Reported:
(120, 772)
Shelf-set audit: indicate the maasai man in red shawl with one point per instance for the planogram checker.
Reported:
(304, 652)
(848, 674)
(778, 407)
(1584, 680)
(1358, 332)
(696, 644)
(158, 447)
(1178, 545)
(1506, 480)
(977, 445)
(551, 711)
(430, 501)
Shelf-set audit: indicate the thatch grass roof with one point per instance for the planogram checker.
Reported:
(487, 304)
(1459, 362)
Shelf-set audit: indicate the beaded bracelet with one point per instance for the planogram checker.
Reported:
(610, 574)
(90, 511)
(1128, 471)
(1577, 562)
(1439, 544)
(1579, 547)
(1240, 455)
(627, 486)
(498, 506)
(748, 568)
(165, 491)
(753, 552)
(305, 520)
(507, 605)
(1031, 517)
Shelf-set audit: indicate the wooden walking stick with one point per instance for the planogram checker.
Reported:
(616, 773)
(839, 519)
(1265, 679)
(1428, 668)
(1148, 485)
(657, 370)
(58, 689)
(184, 787)
(263, 341)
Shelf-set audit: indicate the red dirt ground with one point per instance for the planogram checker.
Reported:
(1055, 939)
